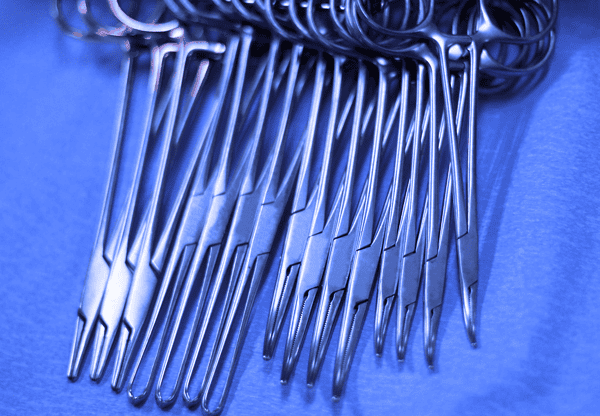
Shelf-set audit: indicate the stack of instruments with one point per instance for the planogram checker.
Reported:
(344, 128)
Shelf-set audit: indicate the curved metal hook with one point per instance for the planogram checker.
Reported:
(141, 26)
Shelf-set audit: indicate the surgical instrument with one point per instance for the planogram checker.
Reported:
(368, 247)
(120, 278)
(225, 211)
(143, 287)
(264, 201)
(340, 252)
(206, 255)
(200, 201)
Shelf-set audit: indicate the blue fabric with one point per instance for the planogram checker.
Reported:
(539, 214)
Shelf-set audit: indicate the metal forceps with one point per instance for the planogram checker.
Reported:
(435, 268)
(402, 259)
(368, 247)
(410, 259)
(122, 275)
(105, 246)
(485, 31)
(207, 189)
(101, 260)
(208, 248)
(299, 221)
(118, 286)
(465, 219)
(386, 288)
(437, 245)
(399, 239)
(316, 250)
(403, 281)
(467, 243)
(149, 269)
(306, 215)
(304, 201)
(438, 67)
(191, 222)
(254, 224)
(307, 209)
(344, 238)
(322, 231)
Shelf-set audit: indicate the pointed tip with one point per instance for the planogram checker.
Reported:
(292, 346)
(380, 331)
(378, 347)
(430, 351)
(471, 334)
(317, 354)
(301, 314)
(310, 385)
(311, 377)
(469, 308)
(401, 351)
(340, 373)
(379, 338)
(282, 298)
(313, 371)
(430, 356)
(324, 325)
(381, 325)
(269, 345)
(287, 369)
(354, 317)
(405, 318)
(100, 352)
(338, 387)
(336, 398)
(82, 333)
(432, 321)
(283, 381)
(124, 349)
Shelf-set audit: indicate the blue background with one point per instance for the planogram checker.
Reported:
(539, 214)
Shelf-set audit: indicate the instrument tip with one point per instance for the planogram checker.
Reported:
(124, 347)
(287, 369)
(77, 350)
(269, 344)
(471, 334)
(100, 356)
